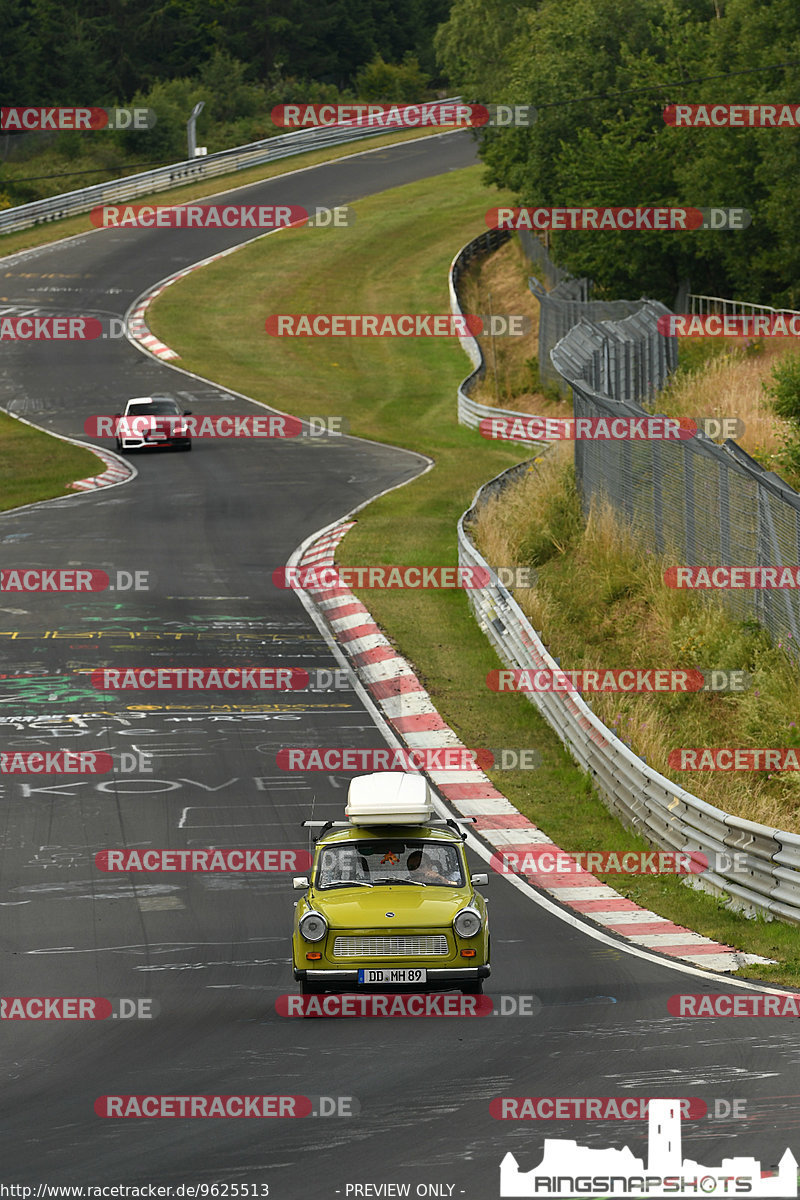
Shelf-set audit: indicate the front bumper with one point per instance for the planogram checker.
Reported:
(435, 975)
(136, 443)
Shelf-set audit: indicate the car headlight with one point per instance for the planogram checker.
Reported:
(313, 927)
(467, 922)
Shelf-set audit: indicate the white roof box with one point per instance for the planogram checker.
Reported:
(389, 798)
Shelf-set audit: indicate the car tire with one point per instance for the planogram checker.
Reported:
(472, 989)
(120, 449)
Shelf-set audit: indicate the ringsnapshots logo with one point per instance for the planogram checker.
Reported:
(617, 220)
(726, 325)
(453, 115)
(732, 116)
(25, 120)
(399, 325)
(568, 1169)
(603, 429)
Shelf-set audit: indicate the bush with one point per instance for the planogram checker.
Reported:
(382, 81)
(785, 391)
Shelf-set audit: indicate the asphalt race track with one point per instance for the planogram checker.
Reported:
(213, 951)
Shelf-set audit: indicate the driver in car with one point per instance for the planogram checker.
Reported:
(423, 868)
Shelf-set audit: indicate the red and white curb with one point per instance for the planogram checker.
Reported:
(115, 472)
(409, 710)
(137, 327)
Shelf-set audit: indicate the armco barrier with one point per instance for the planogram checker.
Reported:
(54, 208)
(470, 412)
(661, 811)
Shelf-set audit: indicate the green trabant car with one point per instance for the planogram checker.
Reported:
(390, 905)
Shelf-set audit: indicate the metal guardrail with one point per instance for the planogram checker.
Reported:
(661, 811)
(54, 208)
(664, 813)
(702, 306)
(471, 412)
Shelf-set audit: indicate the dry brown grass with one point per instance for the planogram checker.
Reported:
(733, 384)
(600, 602)
(499, 284)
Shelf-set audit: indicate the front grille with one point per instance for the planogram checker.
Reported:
(390, 947)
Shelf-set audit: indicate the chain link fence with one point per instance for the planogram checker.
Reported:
(700, 503)
(563, 302)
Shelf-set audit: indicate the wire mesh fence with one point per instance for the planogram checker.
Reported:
(700, 503)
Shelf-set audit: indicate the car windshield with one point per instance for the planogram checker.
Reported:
(401, 860)
(158, 408)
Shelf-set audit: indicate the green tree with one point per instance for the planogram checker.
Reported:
(388, 82)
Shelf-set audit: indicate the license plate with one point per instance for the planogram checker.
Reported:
(156, 437)
(389, 975)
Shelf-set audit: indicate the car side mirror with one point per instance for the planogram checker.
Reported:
(187, 412)
(300, 883)
(479, 880)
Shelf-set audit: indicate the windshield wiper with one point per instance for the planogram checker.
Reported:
(347, 883)
(410, 882)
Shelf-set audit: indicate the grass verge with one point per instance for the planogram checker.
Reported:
(35, 466)
(404, 394)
